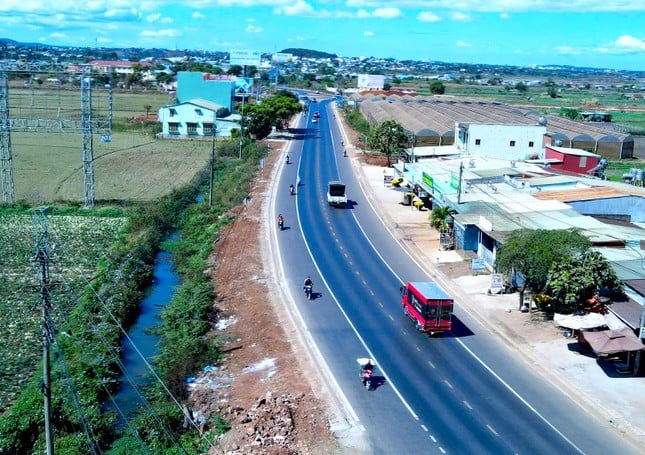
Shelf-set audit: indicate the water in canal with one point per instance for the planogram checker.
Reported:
(142, 345)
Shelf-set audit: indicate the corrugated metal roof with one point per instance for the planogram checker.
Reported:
(438, 114)
(582, 194)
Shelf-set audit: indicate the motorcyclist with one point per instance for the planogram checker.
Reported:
(291, 189)
(366, 367)
(344, 152)
(280, 221)
(287, 159)
(308, 282)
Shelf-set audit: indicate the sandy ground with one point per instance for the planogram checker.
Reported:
(267, 387)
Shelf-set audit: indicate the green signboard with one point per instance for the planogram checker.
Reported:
(454, 180)
(427, 180)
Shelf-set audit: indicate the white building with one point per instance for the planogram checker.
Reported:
(196, 118)
(507, 142)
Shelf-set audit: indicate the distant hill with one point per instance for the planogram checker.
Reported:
(307, 53)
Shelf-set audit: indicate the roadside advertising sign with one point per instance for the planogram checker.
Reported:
(245, 57)
(281, 57)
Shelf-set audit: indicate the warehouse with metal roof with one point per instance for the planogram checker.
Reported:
(431, 120)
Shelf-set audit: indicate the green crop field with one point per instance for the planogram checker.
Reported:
(77, 244)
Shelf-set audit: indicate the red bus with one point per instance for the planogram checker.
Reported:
(429, 307)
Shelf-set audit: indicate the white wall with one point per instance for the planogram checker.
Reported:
(495, 140)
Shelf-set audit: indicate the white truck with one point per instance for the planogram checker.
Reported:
(336, 196)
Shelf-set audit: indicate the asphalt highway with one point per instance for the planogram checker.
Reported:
(462, 392)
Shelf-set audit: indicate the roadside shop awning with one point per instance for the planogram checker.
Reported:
(609, 342)
(583, 322)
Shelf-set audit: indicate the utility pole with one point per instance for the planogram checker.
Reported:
(88, 145)
(461, 176)
(41, 261)
(8, 195)
(212, 176)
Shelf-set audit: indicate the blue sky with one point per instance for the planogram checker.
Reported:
(594, 33)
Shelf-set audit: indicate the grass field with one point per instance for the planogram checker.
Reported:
(134, 166)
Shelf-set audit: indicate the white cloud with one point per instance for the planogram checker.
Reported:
(460, 17)
(629, 43)
(368, 33)
(363, 13)
(504, 16)
(568, 50)
(253, 29)
(463, 44)
(165, 33)
(387, 13)
(427, 16)
(299, 8)
(153, 17)
(198, 15)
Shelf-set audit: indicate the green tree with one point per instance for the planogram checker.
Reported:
(437, 88)
(236, 70)
(521, 87)
(572, 114)
(439, 218)
(273, 111)
(532, 253)
(574, 280)
(388, 137)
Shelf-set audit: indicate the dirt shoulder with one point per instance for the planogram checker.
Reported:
(262, 387)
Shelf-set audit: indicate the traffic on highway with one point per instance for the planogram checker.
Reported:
(441, 383)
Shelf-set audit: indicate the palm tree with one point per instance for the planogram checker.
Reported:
(439, 218)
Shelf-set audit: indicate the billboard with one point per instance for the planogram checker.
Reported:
(244, 84)
(281, 57)
(371, 81)
(245, 57)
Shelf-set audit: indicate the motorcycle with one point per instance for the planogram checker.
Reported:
(345, 153)
(365, 372)
(308, 291)
(291, 189)
(287, 159)
(281, 223)
(366, 378)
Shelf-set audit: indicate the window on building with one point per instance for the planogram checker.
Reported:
(478, 142)
(191, 128)
(583, 161)
(199, 112)
(173, 112)
(531, 144)
(173, 127)
(208, 129)
(512, 144)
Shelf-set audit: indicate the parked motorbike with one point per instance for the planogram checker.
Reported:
(308, 291)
